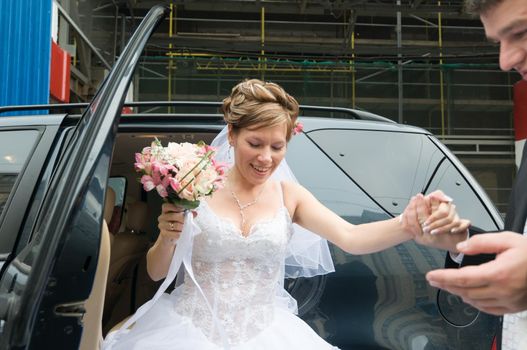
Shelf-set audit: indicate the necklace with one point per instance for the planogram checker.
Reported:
(242, 207)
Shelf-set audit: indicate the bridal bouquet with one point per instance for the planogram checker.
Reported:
(182, 173)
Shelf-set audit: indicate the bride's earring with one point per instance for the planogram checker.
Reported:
(229, 152)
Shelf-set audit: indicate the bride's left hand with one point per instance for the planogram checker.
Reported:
(444, 217)
(443, 228)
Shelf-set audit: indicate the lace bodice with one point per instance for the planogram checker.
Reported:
(239, 275)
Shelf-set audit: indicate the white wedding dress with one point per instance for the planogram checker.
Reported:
(241, 278)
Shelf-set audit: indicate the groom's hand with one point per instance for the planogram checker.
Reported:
(496, 287)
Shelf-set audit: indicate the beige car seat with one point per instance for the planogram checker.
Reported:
(92, 332)
(128, 251)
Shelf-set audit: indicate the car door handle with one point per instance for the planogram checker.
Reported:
(75, 309)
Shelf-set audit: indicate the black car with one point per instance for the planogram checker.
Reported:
(69, 196)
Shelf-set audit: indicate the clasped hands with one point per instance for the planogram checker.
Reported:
(496, 287)
(432, 220)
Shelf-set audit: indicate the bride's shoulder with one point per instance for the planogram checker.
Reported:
(291, 185)
(292, 190)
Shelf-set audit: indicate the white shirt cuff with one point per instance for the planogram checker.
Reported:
(456, 257)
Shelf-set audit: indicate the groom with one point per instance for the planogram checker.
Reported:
(499, 285)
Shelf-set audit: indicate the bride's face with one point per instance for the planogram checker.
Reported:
(258, 152)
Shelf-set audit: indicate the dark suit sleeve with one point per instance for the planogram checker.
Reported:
(470, 259)
(514, 220)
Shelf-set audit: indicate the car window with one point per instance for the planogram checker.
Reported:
(393, 166)
(15, 147)
(329, 184)
(335, 190)
(118, 184)
(448, 179)
(52, 155)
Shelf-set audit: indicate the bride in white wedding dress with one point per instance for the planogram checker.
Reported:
(234, 298)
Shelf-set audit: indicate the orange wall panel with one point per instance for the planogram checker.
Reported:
(60, 74)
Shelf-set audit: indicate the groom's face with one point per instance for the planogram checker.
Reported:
(506, 25)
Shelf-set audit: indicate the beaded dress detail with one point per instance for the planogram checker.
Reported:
(238, 274)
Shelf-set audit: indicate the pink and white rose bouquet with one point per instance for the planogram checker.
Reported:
(181, 173)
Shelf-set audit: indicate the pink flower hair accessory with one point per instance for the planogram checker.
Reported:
(299, 127)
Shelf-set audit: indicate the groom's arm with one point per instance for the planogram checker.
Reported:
(453, 261)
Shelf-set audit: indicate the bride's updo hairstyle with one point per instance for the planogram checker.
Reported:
(255, 104)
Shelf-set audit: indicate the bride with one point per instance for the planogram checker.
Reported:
(248, 244)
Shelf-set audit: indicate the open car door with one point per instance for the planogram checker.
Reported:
(45, 286)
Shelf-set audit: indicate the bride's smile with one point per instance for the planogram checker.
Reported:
(259, 151)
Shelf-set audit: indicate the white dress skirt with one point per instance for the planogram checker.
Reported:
(241, 278)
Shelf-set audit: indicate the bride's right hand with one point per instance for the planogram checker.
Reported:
(170, 223)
